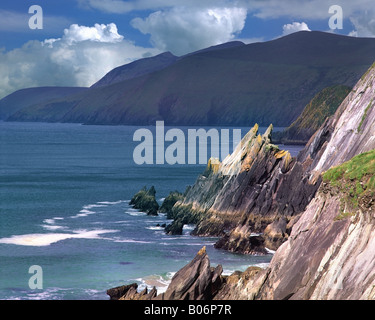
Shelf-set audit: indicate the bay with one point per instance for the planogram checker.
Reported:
(64, 194)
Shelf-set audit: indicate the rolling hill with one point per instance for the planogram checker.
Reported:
(268, 82)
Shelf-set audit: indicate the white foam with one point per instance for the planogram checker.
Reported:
(45, 239)
(159, 282)
(155, 228)
(111, 202)
(87, 211)
(53, 228)
(49, 221)
(270, 251)
(262, 265)
(90, 206)
(79, 215)
(131, 241)
(136, 213)
(50, 224)
(83, 213)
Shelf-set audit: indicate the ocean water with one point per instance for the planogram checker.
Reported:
(64, 206)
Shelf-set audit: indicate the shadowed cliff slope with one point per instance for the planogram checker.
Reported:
(262, 83)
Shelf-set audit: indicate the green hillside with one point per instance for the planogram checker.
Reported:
(263, 83)
(322, 106)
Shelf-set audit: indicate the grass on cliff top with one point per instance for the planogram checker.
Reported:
(359, 167)
(356, 177)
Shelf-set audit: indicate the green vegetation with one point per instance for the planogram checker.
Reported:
(364, 116)
(323, 105)
(343, 215)
(268, 82)
(170, 201)
(356, 179)
(368, 70)
(145, 201)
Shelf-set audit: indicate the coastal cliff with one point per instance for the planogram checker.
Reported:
(325, 241)
(250, 200)
(329, 252)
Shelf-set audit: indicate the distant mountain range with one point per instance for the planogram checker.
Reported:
(229, 84)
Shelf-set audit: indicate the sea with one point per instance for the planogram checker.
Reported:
(64, 207)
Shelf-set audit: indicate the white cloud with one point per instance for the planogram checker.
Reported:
(182, 30)
(357, 11)
(294, 27)
(79, 58)
(364, 24)
(99, 33)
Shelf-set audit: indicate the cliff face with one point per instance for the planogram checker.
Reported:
(354, 129)
(330, 251)
(259, 188)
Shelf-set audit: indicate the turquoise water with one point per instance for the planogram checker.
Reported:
(64, 193)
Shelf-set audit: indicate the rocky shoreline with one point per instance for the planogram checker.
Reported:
(195, 281)
(316, 211)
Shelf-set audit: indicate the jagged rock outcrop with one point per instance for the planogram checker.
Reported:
(130, 292)
(330, 251)
(145, 201)
(245, 193)
(195, 281)
(242, 285)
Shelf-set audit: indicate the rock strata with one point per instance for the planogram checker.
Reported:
(330, 251)
(252, 187)
(129, 292)
(196, 281)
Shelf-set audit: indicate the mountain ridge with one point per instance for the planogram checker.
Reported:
(261, 83)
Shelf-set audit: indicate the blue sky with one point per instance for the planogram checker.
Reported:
(81, 40)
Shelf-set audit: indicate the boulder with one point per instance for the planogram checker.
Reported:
(275, 234)
(175, 228)
(145, 201)
(130, 292)
(117, 292)
(196, 281)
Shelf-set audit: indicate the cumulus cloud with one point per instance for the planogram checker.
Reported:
(364, 24)
(79, 58)
(356, 11)
(100, 33)
(294, 27)
(182, 30)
